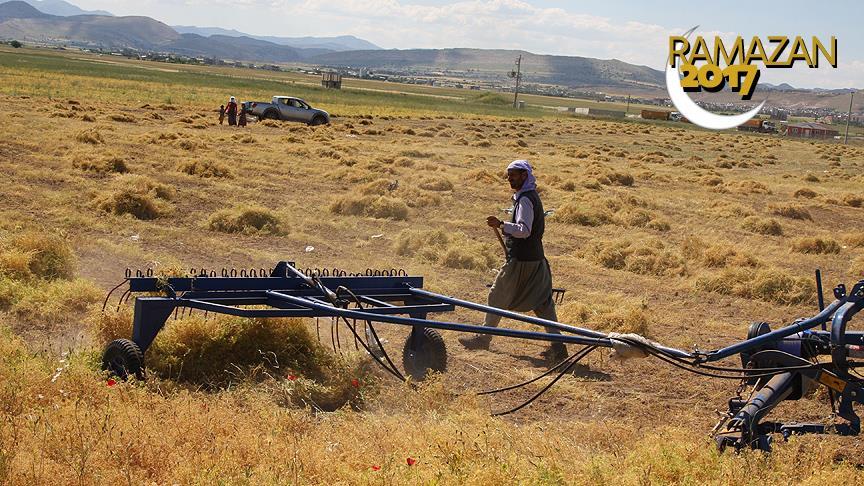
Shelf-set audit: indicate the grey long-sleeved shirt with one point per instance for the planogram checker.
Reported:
(524, 219)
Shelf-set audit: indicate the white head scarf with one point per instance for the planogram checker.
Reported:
(530, 183)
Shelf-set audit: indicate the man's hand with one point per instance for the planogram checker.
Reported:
(493, 222)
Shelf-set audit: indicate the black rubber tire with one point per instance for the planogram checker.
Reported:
(270, 115)
(755, 330)
(318, 120)
(424, 351)
(123, 358)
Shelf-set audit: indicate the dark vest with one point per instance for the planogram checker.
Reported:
(528, 249)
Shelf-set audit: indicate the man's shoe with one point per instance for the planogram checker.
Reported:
(555, 353)
(475, 342)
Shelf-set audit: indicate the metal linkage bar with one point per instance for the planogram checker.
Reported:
(185, 284)
(303, 312)
(773, 336)
(447, 326)
(511, 315)
(532, 320)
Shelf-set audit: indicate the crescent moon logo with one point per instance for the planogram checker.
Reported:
(695, 113)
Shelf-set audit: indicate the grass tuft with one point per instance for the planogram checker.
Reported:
(138, 196)
(853, 200)
(806, 193)
(770, 285)
(37, 254)
(450, 250)
(644, 257)
(245, 219)
(623, 318)
(815, 245)
(792, 212)
(90, 136)
(205, 169)
(111, 164)
(582, 214)
(699, 252)
(762, 226)
(856, 269)
(373, 206)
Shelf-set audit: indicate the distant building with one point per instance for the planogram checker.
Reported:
(331, 80)
(810, 130)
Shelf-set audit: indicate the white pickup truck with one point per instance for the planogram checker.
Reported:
(289, 109)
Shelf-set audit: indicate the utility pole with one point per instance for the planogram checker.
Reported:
(518, 75)
(628, 104)
(848, 117)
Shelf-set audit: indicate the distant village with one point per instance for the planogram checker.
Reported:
(479, 80)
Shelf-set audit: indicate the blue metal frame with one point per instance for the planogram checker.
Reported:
(287, 292)
(391, 296)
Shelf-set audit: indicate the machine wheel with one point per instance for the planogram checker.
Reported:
(755, 330)
(123, 358)
(424, 350)
(318, 120)
(270, 115)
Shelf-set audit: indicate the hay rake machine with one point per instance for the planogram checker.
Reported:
(776, 365)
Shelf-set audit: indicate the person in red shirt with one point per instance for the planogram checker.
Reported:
(231, 111)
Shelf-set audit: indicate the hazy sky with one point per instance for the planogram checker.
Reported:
(630, 30)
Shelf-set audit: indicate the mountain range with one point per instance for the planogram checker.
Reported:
(59, 7)
(339, 43)
(42, 31)
(21, 21)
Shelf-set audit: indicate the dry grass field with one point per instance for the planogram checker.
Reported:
(683, 235)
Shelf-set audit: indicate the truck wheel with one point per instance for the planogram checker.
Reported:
(270, 115)
(123, 358)
(424, 350)
(318, 120)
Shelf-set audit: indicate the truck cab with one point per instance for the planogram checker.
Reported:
(293, 108)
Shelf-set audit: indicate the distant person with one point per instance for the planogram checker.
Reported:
(231, 111)
(242, 121)
(524, 283)
(221, 114)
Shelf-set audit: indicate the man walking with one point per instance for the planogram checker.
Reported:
(524, 283)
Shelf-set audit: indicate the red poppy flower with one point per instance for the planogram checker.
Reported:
(376, 468)
(355, 383)
(411, 461)
(292, 377)
(111, 382)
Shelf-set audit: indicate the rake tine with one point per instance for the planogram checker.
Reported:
(356, 346)
(333, 336)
